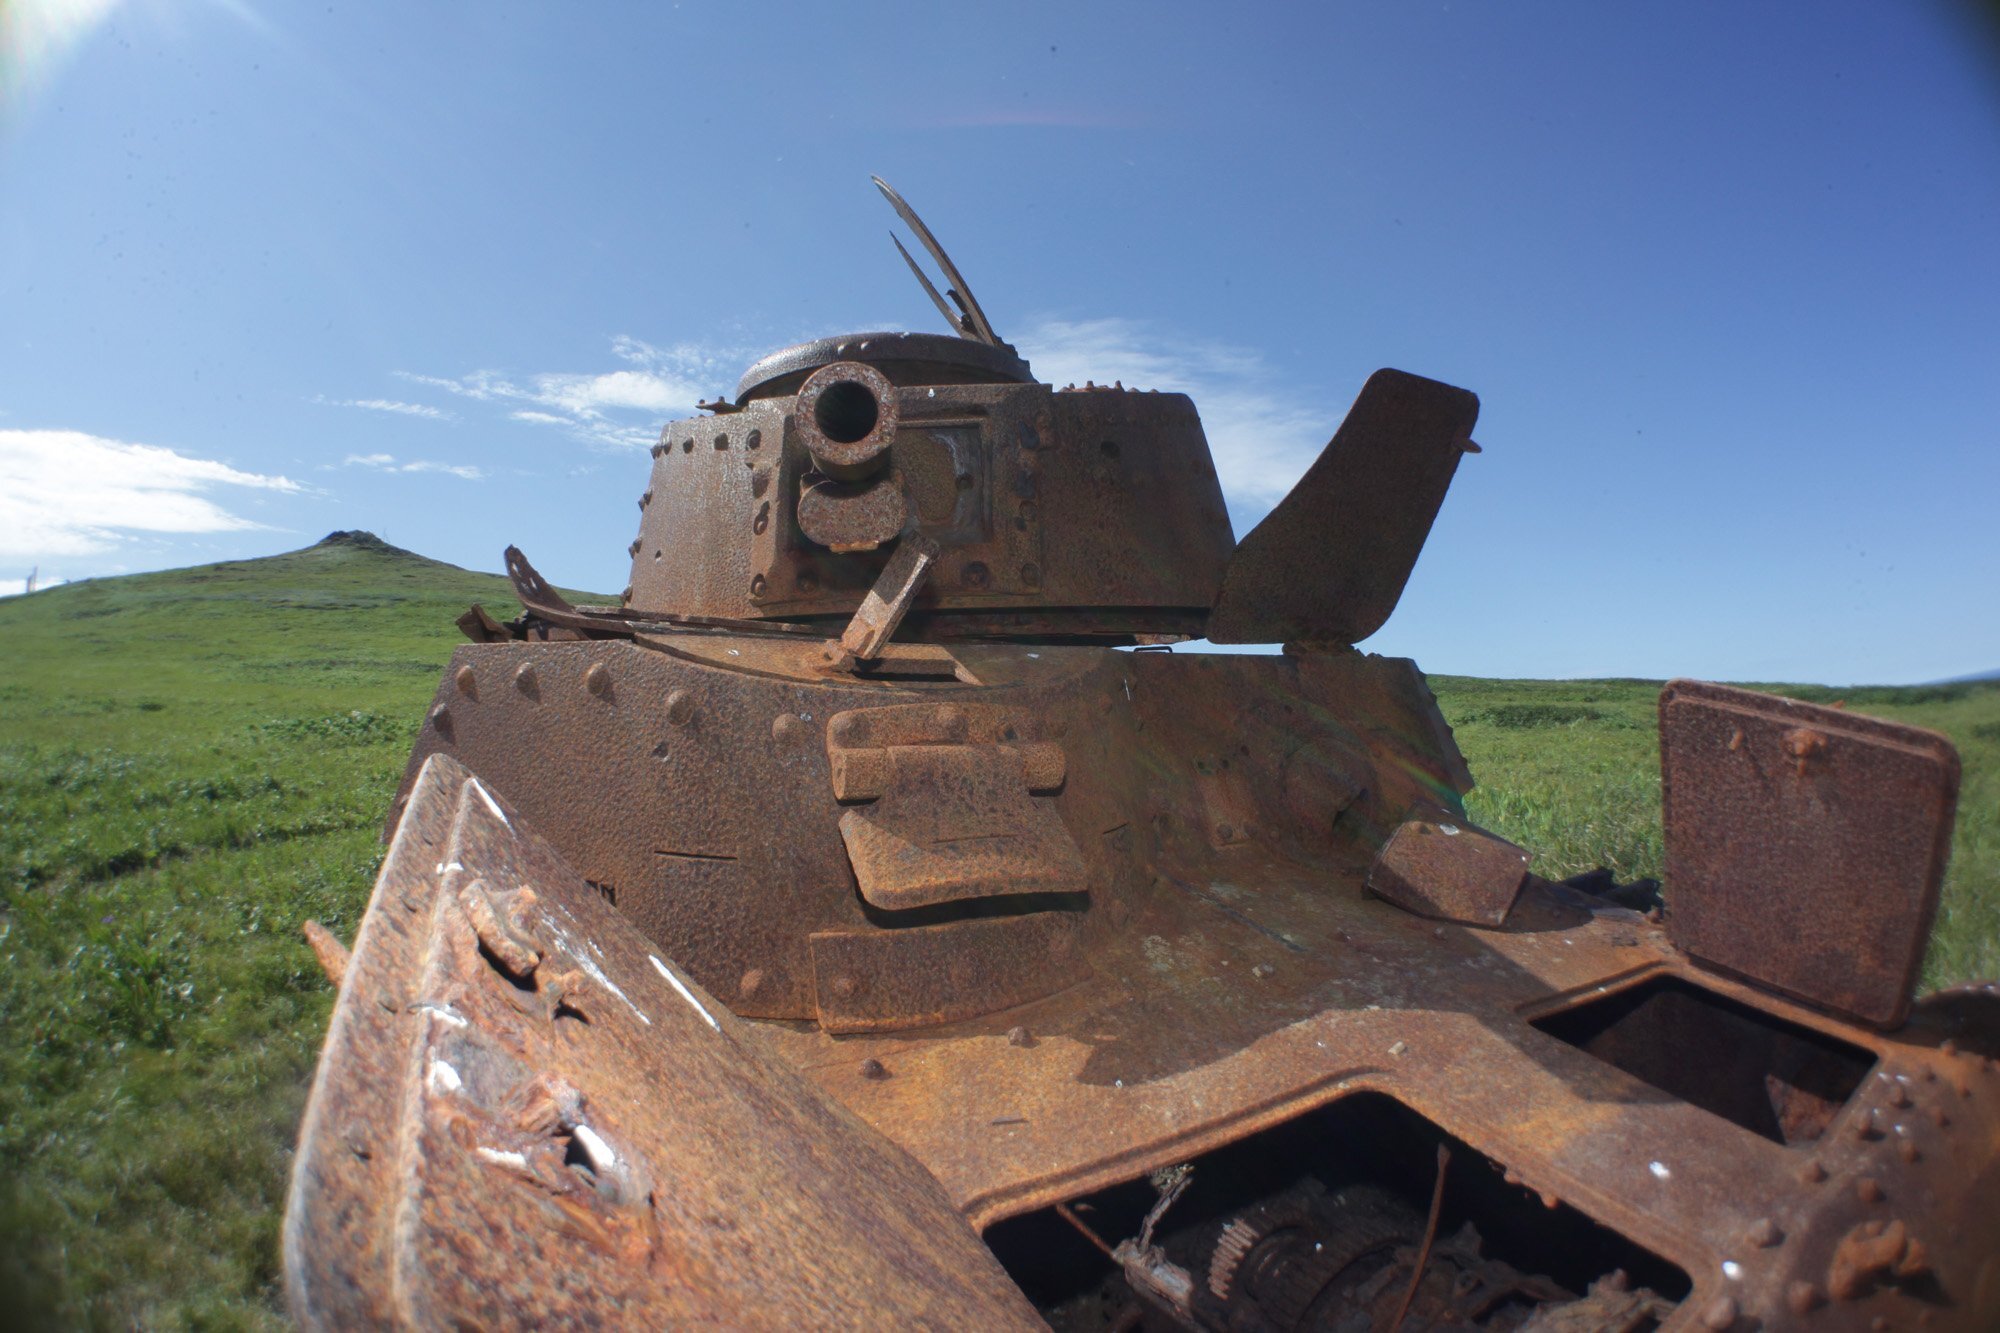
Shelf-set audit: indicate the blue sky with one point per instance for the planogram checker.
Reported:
(1724, 276)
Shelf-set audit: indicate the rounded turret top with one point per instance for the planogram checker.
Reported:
(905, 359)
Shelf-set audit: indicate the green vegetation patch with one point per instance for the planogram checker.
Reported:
(191, 764)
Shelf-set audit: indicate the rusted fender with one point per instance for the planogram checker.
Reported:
(524, 1117)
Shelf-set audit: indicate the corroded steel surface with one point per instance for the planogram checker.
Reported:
(1329, 563)
(1439, 866)
(909, 358)
(846, 415)
(1805, 845)
(1187, 956)
(988, 472)
(712, 749)
(525, 1117)
(882, 610)
(1224, 972)
(1259, 991)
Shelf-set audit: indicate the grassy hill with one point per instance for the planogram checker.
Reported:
(193, 762)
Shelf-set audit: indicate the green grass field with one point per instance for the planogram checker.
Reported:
(193, 762)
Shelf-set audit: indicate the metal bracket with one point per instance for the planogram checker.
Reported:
(951, 817)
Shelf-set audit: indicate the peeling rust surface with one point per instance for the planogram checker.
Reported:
(1805, 846)
(603, 1146)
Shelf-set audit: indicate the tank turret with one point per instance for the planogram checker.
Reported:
(843, 930)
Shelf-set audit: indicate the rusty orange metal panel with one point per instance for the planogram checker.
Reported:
(526, 1118)
(1805, 844)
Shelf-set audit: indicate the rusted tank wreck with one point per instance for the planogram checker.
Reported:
(843, 931)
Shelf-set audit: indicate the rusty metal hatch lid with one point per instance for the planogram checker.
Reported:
(1329, 563)
(524, 1118)
(1805, 845)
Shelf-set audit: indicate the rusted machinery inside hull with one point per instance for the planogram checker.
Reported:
(872, 921)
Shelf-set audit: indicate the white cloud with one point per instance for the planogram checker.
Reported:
(1263, 435)
(65, 493)
(388, 463)
(423, 410)
(610, 409)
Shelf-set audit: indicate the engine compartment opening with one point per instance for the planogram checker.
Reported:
(1764, 1073)
(1333, 1220)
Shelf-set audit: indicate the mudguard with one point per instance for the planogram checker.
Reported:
(524, 1116)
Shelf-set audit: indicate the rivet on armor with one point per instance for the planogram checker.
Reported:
(680, 707)
(467, 682)
(598, 679)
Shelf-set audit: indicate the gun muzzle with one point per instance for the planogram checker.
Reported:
(846, 416)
